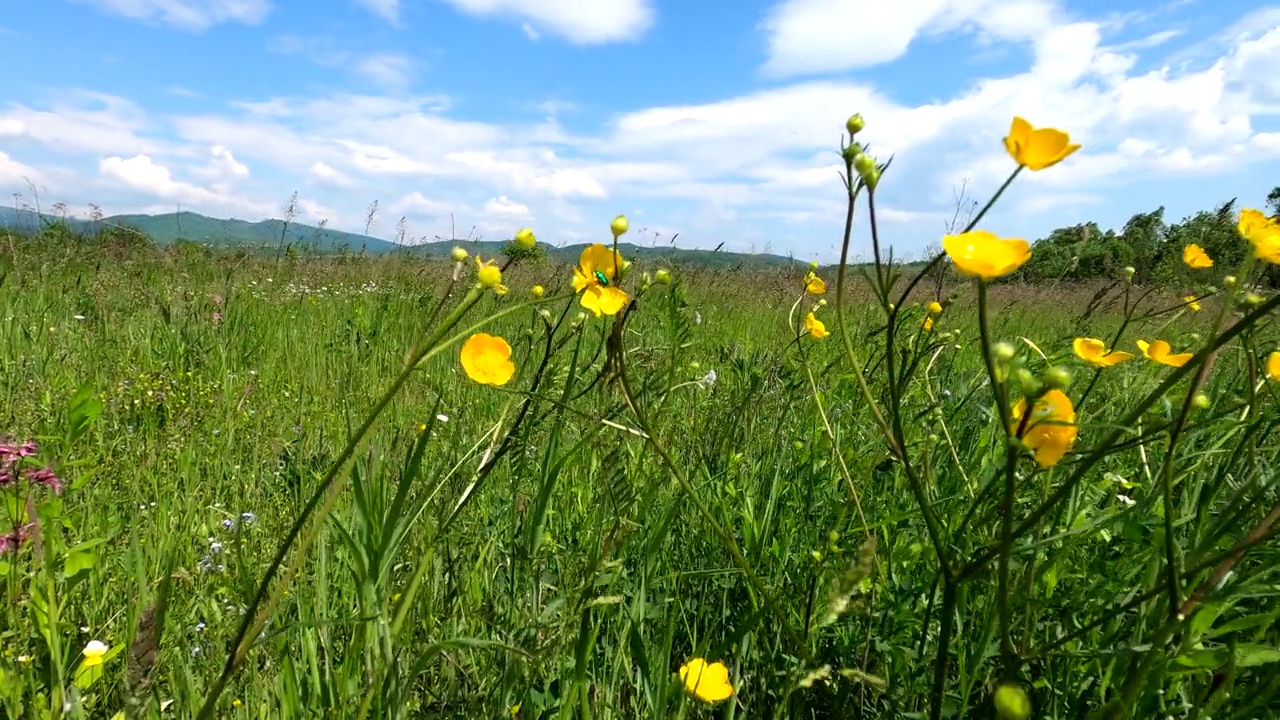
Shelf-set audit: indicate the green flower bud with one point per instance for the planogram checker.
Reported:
(854, 124)
(619, 226)
(1057, 378)
(1003, 351)
(662, 276)
(1129, 273)
(1012, 703)
(1200, 401)
(458, 254)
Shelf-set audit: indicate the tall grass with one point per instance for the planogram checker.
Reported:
(282, 497)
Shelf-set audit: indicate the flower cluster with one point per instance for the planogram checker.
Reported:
(16, 466)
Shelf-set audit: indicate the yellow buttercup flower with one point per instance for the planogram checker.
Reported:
(934, 308)
(815, 326)
(708, 682)
(1263, 233)
(979, 253)
(1192, 302)
(1273, 365)
(1037, 149)
(487, 359)
(1160, 352)
(813, 284)
(537, 291)
(597, 269)
(1094, 352)
(1196, 258)
(94, 653)
(489, 275)
(1051, 429)
(927, 324)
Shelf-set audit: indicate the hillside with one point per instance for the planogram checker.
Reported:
(169, 228)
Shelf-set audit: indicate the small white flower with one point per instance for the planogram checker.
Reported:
(697, 318)
(707, 380)
(442, 417)
(248, 518)
(1126, 500)
(78, 317)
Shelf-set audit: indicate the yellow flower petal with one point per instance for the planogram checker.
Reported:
(1037, 149)
(1094, 351)
(1192, 302)
(815, 326)
(708, 682)
(486, 359)
(94, 653)
(1263, 233)
(1051, 429)
(1195, 257)
(814, 285)
(1160, 351)
(601, 300)
(1273, 365)
(979, 253)
(934, 307)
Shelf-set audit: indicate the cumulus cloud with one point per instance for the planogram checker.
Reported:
(187, 14)
(585, 22)
(503, 206)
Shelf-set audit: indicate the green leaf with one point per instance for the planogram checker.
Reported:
(1254, 655)
(83, 411)
(1207, 658)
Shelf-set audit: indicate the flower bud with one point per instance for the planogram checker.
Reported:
(1012, 703)
(695, 365)
(619, 226)
(1252, 299)
(458, 254)
(1230, 282)
(1002, 351)
(1129, 272)
(833, 537)
(822, 302)
(1057, 378)
(625, 267)
(864, 164)
(545, 313)
(854, 124)
(537, 291)
(813, 265)
(934, 308)
(662, 276)
(525, 239)
(871, 179)
(1026, 381)
(816, 555)
(1200, 401)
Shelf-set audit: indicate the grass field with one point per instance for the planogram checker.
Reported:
(845, 525)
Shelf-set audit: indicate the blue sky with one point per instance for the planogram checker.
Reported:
(718, 119)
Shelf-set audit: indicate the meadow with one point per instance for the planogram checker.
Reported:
(254, 485)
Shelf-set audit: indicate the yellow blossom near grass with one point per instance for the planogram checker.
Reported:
(981, 254)
(489, 275)
(487, 359)
(927, 324)
(813, 284)
(594, 277)
(1273, 365)
(1094, 352)
(1196, 258)
(1050, 430)
(708, 682)
(94, 653)
(1192, 302)
(1037, 149)
(1263, 233)
(934, 308)
(815, 326)
(1159, 351)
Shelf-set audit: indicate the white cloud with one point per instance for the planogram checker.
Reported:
(224, 165)
(386, 69)
(142, 173)
(505, 207)
(387, 9)
(187, 14)
(14, 173)
(814, 36)
(544, 177)
(530, 32)
(11, 127)
(323, 174)
(585, 22)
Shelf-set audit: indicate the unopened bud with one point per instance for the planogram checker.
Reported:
(864, 164)
(619, 226)
(1012, 703)
(1129, 272)
(545, 313)
(871, 179)
(813, 264)
(580, 318)
(854, 124)
(1057, 378)
(1230, 282)
(1026, 381)
(662, 276)
(1002, 351)
(458, 254)
(1252, 299)
(537, 291)
(1200, 401)
(525, 239)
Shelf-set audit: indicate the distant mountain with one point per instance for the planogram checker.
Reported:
(170, 228)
